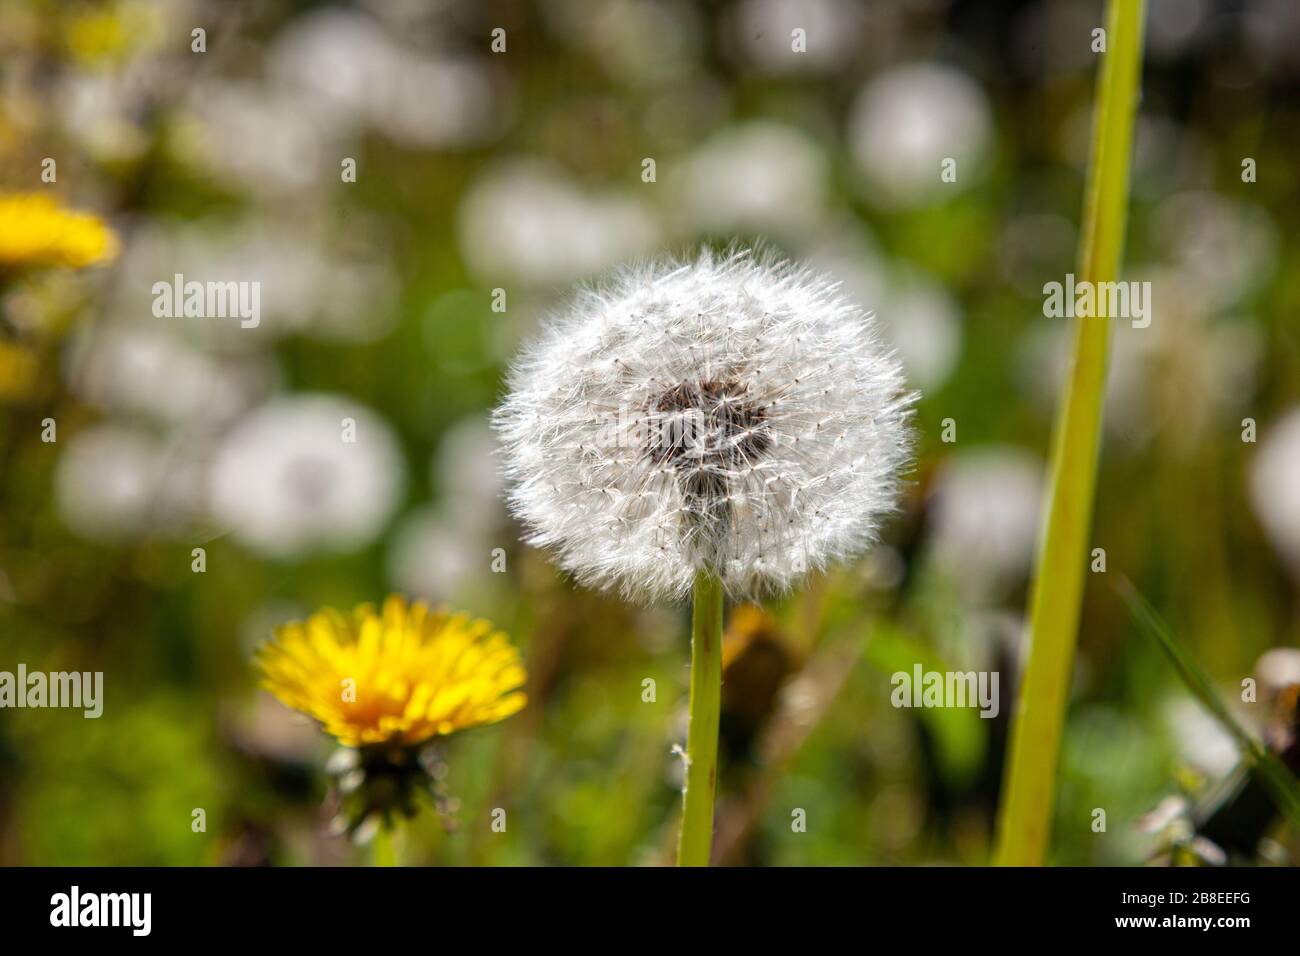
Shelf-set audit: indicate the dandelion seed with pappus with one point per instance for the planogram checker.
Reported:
(725, 425)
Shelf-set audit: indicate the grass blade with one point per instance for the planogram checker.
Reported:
(1281, 783)
(1029, 788)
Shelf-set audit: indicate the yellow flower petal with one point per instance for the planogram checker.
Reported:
(36, 232)
(399, 675)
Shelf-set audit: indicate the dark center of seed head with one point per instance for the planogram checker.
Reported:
(707, 426)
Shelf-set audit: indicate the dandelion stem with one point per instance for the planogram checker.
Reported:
(1025, 817)
(384, 849)
(696, 839)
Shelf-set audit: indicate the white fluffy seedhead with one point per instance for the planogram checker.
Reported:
(735, 414)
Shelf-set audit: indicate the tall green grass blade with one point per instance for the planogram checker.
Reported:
(1029, 787)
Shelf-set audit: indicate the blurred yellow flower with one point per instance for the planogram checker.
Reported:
(96, 35)
(18, 373)
(399, 676)
(36, 231)
(112, 33)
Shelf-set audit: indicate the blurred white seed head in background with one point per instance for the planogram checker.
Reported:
(759, 33)
(917, 316)
(431, 557)
(143, 369)
(120, 482)
(525, 219)
(313, 278)
(441, 550)
(735, 414)
(102, 110)
(1275, 485)
(1181, 375)
(466, 473)
(984, 520)
(925, 324)
(906, 122)
(1199, 737)
(758, 176)
(363, 76)
(296, 138)
(1172, 26)
(1225, 249)
(285, 481)
(1277, 669)
(106, 481)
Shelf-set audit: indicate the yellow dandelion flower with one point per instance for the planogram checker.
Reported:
(36, 231)
(397, 676)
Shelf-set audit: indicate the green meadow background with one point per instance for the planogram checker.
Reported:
(524, 171)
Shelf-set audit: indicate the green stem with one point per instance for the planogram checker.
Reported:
(384, 849)
(696, 839)
(1025, 817)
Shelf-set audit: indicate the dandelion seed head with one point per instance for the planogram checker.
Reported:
(1274, 489)
(736, 414)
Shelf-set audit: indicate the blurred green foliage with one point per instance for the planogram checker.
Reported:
(586, 773)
